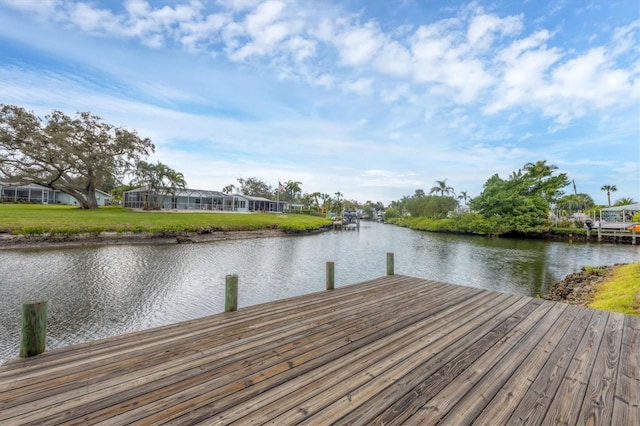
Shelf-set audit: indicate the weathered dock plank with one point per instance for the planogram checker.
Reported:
(394, 350)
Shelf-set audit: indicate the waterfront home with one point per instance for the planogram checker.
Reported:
(201, 199)
(38, 194)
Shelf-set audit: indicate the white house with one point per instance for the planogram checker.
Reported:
(201, 199)
(38, 194)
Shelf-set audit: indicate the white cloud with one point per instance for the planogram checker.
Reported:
(357, 45)
(441, 58)
(393, 59)
(483, 29)
(473, 79)
(362, 86)
(396, 93)
(93, 20)
(625, 38)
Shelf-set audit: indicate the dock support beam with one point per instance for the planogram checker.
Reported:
(331, 280)
(390, 264)
(231, 294)
(34, 329)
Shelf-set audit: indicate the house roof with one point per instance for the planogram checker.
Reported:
(628, 207)
(249, 197)
(187, 192)
(6, 184)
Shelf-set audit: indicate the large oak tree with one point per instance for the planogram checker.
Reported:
(74, 155)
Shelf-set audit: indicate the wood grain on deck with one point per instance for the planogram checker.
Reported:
(394, 350)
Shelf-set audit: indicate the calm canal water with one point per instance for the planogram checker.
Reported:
(97, 292)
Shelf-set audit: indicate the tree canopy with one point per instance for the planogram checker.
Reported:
(160, 181)
(255, 187)
(442, 188)
(74, 155)
(523, 200)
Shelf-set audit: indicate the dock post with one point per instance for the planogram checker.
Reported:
(390, 264)
(34, 329)
(330, 275)
(231, 294)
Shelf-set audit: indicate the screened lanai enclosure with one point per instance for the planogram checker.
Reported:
(198, 199)
(182, 199)
(29, 193)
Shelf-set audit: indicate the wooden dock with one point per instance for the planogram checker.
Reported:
(394, 350)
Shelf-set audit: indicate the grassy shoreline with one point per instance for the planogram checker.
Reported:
(34, 220)
(619, 291)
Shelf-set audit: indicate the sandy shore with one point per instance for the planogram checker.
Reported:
(10, 242)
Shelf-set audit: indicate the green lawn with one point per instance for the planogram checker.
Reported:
(620, 292)
(39, 219)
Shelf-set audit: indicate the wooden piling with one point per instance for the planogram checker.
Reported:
(330, 275)
(390, 264)
(34, 329)
(231, 293)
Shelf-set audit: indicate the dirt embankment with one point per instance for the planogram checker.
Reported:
(579, 288)
(9, 241)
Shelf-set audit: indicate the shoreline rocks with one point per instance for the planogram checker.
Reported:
(579, 288)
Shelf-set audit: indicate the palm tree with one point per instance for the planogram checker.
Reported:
(442, 188)
(464, 197)
(326, 198)
(609, 189)
(539, 168)
(307, 200)
(160, 181)
(575, 202)
(316, 196)
(292, 189)
(624, 201)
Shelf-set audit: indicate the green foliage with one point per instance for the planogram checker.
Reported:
(255, 187)
(609, 189)
(575, 202)
(592, 270)
(159, 180)
(116, 192)
(624, 201)
(391, 213)
(292, 191)
(523, 200)
(74, 155)
(31, 230)
(466, 223)
(431, 206)
(441, 188)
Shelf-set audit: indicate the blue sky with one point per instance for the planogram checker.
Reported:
(373, 99)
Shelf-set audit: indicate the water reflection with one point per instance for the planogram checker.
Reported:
(95, 292)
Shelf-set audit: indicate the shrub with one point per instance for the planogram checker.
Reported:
(592, 270)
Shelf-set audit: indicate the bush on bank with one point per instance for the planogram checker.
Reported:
(476, 224)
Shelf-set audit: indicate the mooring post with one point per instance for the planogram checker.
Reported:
(34, 329)
(330, 275)
(231, 294)
(390, 264)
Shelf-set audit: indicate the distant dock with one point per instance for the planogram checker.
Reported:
(393, 350)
